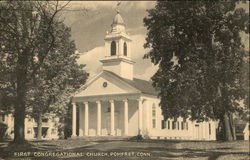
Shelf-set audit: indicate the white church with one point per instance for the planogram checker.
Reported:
(114, 103)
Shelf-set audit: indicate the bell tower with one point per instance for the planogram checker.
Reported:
(117, 57)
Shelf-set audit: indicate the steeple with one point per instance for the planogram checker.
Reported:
(117, 49)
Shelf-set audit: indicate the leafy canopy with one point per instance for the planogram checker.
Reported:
(198, 48)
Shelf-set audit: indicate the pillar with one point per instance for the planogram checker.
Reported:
(86, 120)
(112, 117)
(140, 116)
(147, 116)
(125, 117)
(98, 118)
(81, 121)
(73, 119)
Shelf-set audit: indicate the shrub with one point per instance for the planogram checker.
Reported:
(3, 128)
(136, 138)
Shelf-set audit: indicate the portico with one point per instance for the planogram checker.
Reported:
(107, 117)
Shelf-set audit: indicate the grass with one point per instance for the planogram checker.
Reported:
(106, 148)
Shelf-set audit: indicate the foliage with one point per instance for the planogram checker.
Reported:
(198, 48)
(58, 78)
(38, 62)
(3, 129)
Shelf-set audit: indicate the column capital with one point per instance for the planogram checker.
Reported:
(98, 102)
(139, 99)
(85, 103)
(125, 100)
(111, 101)
(73, 103)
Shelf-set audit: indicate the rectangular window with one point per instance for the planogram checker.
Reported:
(153, 113)
(209, 129)
(173, 125)
(168, 124)
(163, 124)
(108, 109)
(178, 127)
(153, 123)
(182, 125)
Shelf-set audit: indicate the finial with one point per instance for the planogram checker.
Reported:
(117, 11)
(118, 3)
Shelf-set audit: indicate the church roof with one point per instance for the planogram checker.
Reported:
(142, 85)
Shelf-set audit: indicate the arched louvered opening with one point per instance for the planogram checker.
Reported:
(125, 49)
(113, 48)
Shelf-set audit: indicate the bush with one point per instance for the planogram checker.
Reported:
(136, 138)
(3, 128)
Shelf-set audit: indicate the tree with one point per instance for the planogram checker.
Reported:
(198, 48)
(57, 79)
(29, 37)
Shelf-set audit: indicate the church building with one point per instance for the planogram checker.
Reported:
(114, 103)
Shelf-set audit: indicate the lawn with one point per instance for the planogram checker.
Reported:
(106, 149)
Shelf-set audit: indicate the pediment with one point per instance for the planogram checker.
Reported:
(106, 84)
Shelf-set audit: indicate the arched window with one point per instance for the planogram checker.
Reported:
(125, 49)
(113, 48)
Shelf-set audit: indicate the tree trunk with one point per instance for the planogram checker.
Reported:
(39, 126)
(229, 131)
(20, 105)
(19, 113)
(232, 125)
(19, 125)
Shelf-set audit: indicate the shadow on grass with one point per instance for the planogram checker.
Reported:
(9, 148)
(166, 152)
(165, 149)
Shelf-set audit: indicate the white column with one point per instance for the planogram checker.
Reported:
(112, 117)
(98, 118)
(140, 116)
(147, 114)
(125, 117)
(86, 120)
(170, 124)
(73, 119)
(81, 120)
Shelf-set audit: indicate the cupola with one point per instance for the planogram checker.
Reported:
(117, 57)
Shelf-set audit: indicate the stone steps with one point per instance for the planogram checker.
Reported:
(97, 138)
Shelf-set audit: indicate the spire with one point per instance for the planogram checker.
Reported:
(118, 24)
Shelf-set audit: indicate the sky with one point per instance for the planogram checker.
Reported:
(90, 20)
